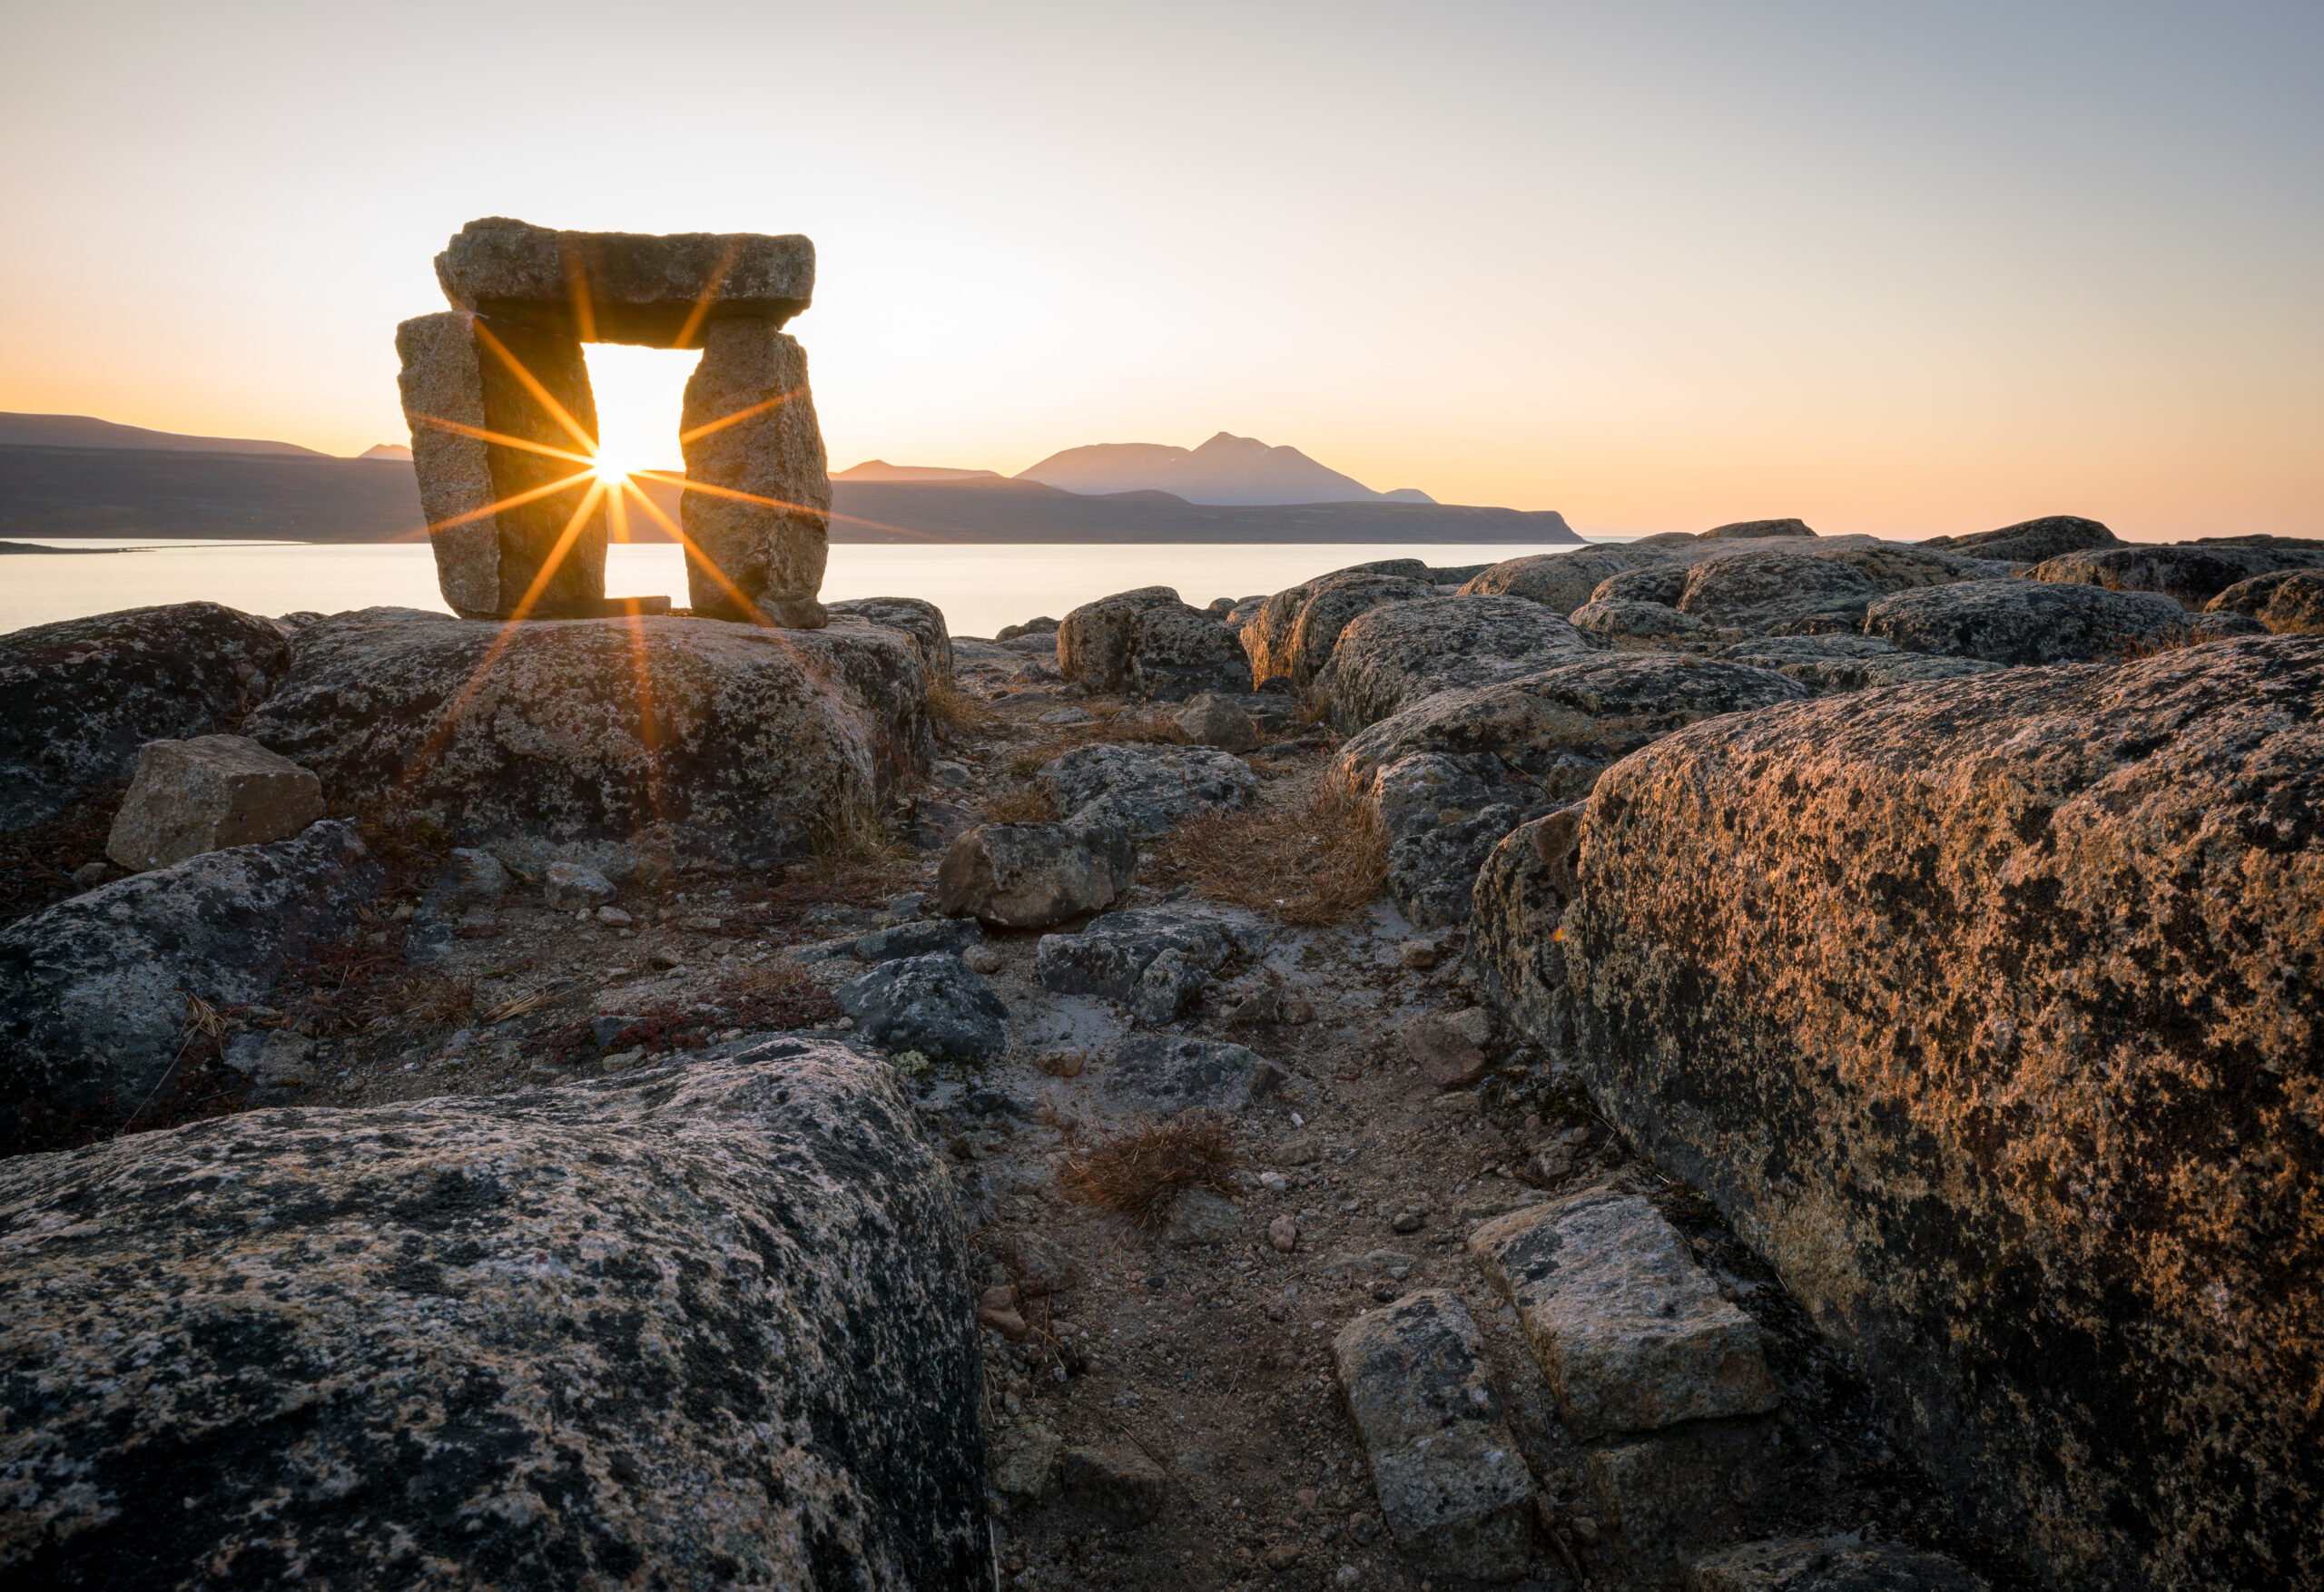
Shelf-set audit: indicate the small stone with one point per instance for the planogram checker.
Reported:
(1452, 1105)
(568, 887)
(997, 1309)
(1474, 1025)
(1201, 1217)
(1211, 719)
(278, 1058)
(206, 794)
(1282, 1555)
(1584, 1529)
(955, 774)
(1408, 1221)
(1273, 1182)
(471, 875)
(1062, 1063)
(664, 957)
(1266, 1077)
(1417, 953)
(90, 875)
(1284, 1233)
(984, 958)
(1068, 715)
(1025, 1463)
(1447, 1057)
(1034, 875)
(613, 918)
(1118, 1488)
(1300, 1150)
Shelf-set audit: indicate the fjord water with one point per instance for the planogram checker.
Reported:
(980, 587)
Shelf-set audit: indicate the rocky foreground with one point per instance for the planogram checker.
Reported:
(1755, 1060)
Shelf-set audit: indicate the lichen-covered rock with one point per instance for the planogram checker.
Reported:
(79, 697)
(1181, 653)
(932, 1004)
(2297, 607)
(1988, 1011)
(1828, 1564)
(1827, 663)
(1415, 794)
(918, 618)
(206, 794)
(1215, 720)
(1147, 790)
(93, 991)
(1752, 530)
(2248, 596)
(2028, 541)
(1299, 627)
(1152, 959)
(1035, 875)
(1431, 874)
(1163, 1074)
(1452, 1481)
(1542, 740)
(1095, 642)
(2022, 621)
(690, 735)
(1390, 657)
(758, 534)
(1516, 910)
(664, 290)
(2189, 573)
(1562, 582)
(707, 1323)
(1634, 621)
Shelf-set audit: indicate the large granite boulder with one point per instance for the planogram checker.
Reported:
(2189, 573)
(707, 1325)
(1987, 1011)
(1561, 581)
(2297, 607)
(757, 505)
(2030, 541)
(79, 697)
(917, 617)
(1390, 657)
(1147, 643)
(606, 741)
(666, 291)
(93, 991)
(2023, 621)
(1145, 790)
(1095, 642)
(1299, 627)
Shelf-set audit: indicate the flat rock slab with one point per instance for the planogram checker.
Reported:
(1631, 1331)
(1451, 1482)
(709, 1319)
(662, 291)
(1144, 790)
(93, 991)
(1165, 1074)
(1830, 1564)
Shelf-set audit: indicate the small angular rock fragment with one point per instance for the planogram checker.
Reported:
(1034, 875)
(1451, 1481)
(1631, 1334)
(1119, 1488)
(1210, 720)
(568, 885)
(208, 793)
(1446, 1056)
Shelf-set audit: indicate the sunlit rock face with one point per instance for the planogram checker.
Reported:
(705, 1326)
(1990, 1011)
(504, 534)
(664, 291)
(749, 428)
(612, 741)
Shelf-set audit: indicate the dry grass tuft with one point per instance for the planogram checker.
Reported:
(438, 998)
(1026, 804)
(1140, 1172)
(953, 711)
(1310, 861)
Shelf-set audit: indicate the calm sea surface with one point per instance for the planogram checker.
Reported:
(981, 588)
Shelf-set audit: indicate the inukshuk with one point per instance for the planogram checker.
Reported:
(520, 531)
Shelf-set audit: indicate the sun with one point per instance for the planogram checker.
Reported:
(612, 467)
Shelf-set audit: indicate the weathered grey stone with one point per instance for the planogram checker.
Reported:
(1631, 1334)
(1667, 1497)
(1751, 530)
(1147, 790)
(1212, 719)
(1390, 657)
(2022, 621)
(925, 937)
(1516, 910)
(2248, 596)
(1827, 663)
(1043, 625)
(1026, 1460)
(930, 1004)
(1630, 621)
(79, 697)
(1446, 1057)
(568, 885)
(471, 875)
(1451, 1482)
(1120, 1488)
(1299, 629)
(749, 428)
(666, 291)
(1828, 1564)
(1095, 642)
(1181, 653)
(1163, 1075)
(93, 991)
(1431, 874)
(509, 539)
(2030, 541)
(1543, 739)
(207, 793)
(1994, 1029)
(1152, 960)
(1415, 794)
(1663, 581)
(2190, 574)
(276, 1058)
(688, 735)
(1199, 1218)
(918, 618)
(1757, 591)
(706, 1319)
(1562, 582)
(1035, 875)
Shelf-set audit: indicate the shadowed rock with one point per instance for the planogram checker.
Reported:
(1562, 582)
(2030, 541)
(1751, 530)
(749, 428)
(2190, 573)
(1147, 643)
(93, 991)
(710, 1320)
(2022, 621)
(79, 697)
(494, 553)
(932, 1004)
(1146, 789)
(1035, 875)
(666, 291)
(1986, 1011)
(684, 735)
(1298, 628)
(917, 617)
(1830, 1564)
(207, 793)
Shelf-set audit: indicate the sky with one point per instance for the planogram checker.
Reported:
(1896, 268)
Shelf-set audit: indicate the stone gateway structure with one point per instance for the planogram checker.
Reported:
(504, 427)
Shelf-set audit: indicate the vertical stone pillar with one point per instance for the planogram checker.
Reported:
(459, 378)
(749, 426)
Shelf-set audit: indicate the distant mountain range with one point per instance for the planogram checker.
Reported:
(1227, 470)
(105, 484)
